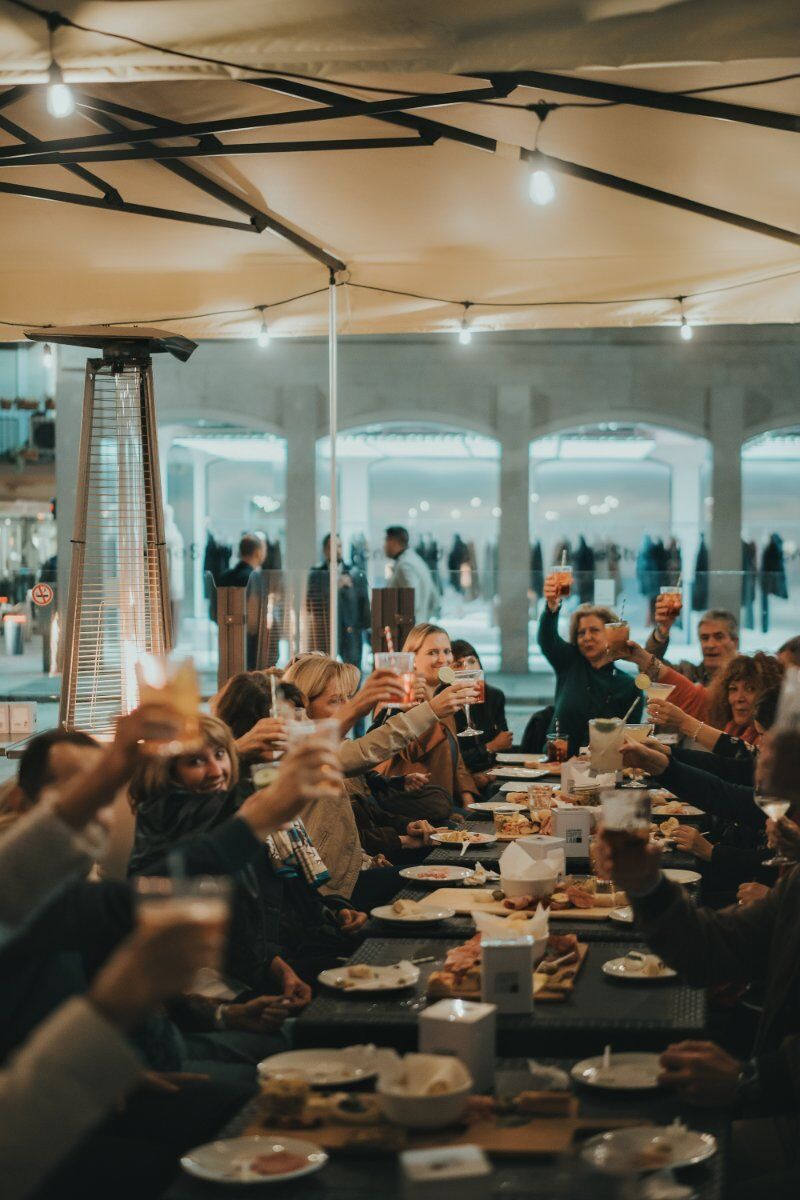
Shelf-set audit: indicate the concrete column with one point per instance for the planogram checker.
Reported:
(726, 430)
(300, 427)
(513, 432)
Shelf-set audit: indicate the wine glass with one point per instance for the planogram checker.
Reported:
(475, 677)
(775, 808)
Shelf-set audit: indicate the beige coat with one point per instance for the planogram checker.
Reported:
(331, 823)
(436, 752)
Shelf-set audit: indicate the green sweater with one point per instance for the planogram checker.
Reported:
(582, 691)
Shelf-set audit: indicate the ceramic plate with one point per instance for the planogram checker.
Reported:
(521, 759)
(229, 1161)
(626, 1072)
(323, 1067)
(649, 1148)
(474, 839)
(627, 968)
(422, 914)
(624, 915)
(493, 806)
(381, 979)
(435, 876)
(515, 787)
(518, 772)
(682, 876)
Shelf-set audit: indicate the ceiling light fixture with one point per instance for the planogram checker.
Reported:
(687, 331)
(263, 335)
(465, 333)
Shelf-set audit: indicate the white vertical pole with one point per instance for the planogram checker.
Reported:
(333, 417)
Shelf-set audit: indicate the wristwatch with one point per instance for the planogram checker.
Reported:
(220, 1024)
(748, 1085)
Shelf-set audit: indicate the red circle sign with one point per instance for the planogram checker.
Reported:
(42, 594)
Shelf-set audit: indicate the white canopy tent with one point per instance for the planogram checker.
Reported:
(225, 163)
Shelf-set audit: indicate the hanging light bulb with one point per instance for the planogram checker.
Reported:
(541, 188)
(47, 356)
(465, 335)
(687, 332)
(60, 100)
(263, 338)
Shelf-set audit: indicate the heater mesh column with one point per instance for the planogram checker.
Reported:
(118, 598)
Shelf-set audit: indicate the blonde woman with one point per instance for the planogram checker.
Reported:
(330, 691)
(436, 753)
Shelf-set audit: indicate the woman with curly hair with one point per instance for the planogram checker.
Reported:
(727, 718)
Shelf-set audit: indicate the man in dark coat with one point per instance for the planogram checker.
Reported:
(353, 606)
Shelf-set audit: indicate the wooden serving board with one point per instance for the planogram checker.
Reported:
(542, 985)
(504, 1136)
(465, 900)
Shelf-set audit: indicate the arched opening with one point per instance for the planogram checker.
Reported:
(442, 483)
(771, 537)
(220, 480)
(626, 503)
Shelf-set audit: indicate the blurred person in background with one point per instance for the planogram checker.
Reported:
(409, 570)
(353, 608)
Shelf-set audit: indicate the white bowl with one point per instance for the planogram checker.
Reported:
(537, 888)
(423, 1112)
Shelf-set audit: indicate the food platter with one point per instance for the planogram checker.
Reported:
(324, 1067)
(435, 876)
(648, 1148)
(231, 1160)
(412, 912)
(363, 978)
(624, 1072)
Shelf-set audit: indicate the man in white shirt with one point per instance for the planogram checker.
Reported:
(411, 571)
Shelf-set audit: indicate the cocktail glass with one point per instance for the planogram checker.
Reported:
(170, 684)
(606, 735)
(672, 598)
(617, 634)
(203, 899)
(563, 577)
(476, 678)
(402, 664)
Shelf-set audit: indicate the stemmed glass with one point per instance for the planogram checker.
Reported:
(775, 808)
(475, 677)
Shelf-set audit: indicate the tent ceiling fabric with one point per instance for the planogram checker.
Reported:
(444, 220)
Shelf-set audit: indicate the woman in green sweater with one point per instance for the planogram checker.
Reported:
(588, 684)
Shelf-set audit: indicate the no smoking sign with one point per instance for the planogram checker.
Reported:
(42, 594)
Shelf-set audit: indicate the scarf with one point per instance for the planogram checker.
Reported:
(292, 853)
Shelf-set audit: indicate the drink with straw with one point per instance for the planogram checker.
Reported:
(557, 747)
(174, 685)
(562, 574)
(401, 664)
(606, 735)
(618, 633)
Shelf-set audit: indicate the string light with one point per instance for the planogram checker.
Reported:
(465, 333)
(48, 358)
(263, 335)
(60, 100)
(687, 331)
(541, 188)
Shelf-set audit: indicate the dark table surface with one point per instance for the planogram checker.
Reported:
(630, 1015)
(462, 926)
(515, 1179)
(490, 854)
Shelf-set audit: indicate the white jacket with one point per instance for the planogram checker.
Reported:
(411, 571)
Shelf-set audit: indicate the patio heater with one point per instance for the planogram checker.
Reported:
(118, 599)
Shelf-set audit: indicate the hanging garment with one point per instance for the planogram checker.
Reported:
(749, 579)
(772, 576)
(614, 559)
(583, 564)
(455, 560)
(537, 569)
(674, 562)
(700, 584)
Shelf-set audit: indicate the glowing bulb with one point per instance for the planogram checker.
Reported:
(687, 333)
(551, 515)
(47, 357)
(60, 100)
(412, 512)
(534, 497)
(582, 499)
(455, 513)
(424, 505)
(497, 512)
(263, 335)
(541, 188)
(475, 502)
(464, 335)
(612, 501)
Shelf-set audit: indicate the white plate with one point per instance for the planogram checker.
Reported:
(383, 979)
(422, 915)
(626, 1072)
(228, 1161)
(437, 876)
(623, 968)
(515, 787)
(682, 876)
(688, 810)
(323, 1067)
(475, 839)
(618, 1151)
(624, 915)
(520, 759)
(493, 806)
(517, 773)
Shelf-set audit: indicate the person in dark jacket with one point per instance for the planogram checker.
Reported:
(353, 608)
(252, 552)
(754, 943)
(193, 813)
